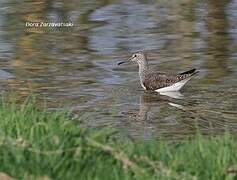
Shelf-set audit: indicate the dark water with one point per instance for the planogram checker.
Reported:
(75, 67)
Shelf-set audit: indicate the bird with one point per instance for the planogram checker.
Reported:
(159, 81)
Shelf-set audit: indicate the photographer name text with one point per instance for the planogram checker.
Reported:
(49, 24)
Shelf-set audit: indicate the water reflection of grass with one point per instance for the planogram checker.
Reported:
(39, 144)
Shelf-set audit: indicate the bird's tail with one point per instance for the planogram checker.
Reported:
(191, 72)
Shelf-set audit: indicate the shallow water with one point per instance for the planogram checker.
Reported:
(75, 67)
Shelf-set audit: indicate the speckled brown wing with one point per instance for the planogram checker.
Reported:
(155, 80)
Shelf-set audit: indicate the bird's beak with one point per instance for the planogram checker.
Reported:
(121, 62)
(127, 61)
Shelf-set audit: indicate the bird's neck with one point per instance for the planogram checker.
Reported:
(143, 67)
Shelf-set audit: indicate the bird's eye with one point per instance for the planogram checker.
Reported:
(135, 55)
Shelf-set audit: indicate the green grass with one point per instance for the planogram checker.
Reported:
(37, 144)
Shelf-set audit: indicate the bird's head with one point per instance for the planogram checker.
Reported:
(138, 57)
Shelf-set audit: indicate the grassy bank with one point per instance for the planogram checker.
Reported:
(36, 144)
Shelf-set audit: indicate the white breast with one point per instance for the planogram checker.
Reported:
(143, 86)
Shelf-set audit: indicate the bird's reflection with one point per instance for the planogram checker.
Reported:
(147, 98)
(176, 105)
(151, 110)
(173, 94)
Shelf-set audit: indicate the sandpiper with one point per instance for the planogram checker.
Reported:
(158, 81)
